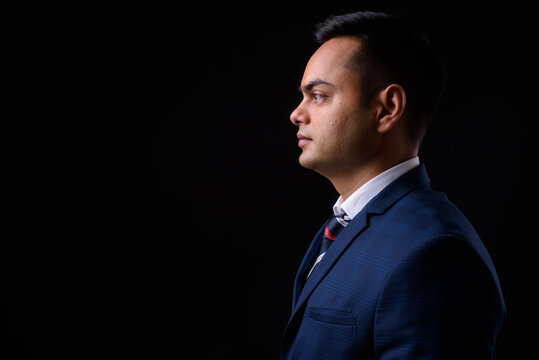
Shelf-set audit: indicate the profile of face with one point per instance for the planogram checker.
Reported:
(335, 129)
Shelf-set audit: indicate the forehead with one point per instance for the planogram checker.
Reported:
(329, 61)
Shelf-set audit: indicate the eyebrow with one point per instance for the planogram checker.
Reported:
(309, 86)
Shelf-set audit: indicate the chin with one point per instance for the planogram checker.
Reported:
(307, 161)
(304, 161)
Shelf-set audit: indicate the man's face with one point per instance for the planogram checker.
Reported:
(335, 130)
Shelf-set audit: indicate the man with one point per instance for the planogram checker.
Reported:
(398, 272)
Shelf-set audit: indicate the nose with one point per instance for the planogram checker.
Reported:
(299, 115)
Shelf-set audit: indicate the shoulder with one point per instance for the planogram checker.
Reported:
(424, 223)
(429, 216)
(438, 247)
(430, 210)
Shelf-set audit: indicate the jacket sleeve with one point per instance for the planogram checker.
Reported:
(442, 301)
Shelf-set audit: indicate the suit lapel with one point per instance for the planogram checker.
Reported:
(380, 203)
(354, 228)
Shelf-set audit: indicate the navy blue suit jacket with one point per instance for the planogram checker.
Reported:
(408, 278)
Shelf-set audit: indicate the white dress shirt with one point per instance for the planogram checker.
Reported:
(357, 201)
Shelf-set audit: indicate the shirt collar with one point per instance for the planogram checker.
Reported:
(357, 201)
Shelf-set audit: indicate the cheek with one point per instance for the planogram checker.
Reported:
(333, 117)
(342, 121)
(330, 126)
(352, 130)
(339, 125)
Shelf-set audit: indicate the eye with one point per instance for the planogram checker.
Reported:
(318, 97)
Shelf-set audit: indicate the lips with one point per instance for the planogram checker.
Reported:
(303, 140)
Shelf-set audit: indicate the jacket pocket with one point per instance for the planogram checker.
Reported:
(331, 316)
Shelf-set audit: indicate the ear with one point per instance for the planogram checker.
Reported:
(391, 104)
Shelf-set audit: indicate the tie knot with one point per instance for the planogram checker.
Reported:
(335, 224)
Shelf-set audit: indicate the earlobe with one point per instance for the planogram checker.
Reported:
(392, 101)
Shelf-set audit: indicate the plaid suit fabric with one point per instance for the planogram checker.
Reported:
(408, 278)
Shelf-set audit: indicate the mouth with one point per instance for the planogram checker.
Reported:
(303, 140)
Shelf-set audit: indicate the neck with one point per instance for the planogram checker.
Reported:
(347, 183)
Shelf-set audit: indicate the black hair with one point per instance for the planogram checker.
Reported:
(393, 49)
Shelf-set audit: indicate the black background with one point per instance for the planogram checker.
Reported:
(156, 207)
